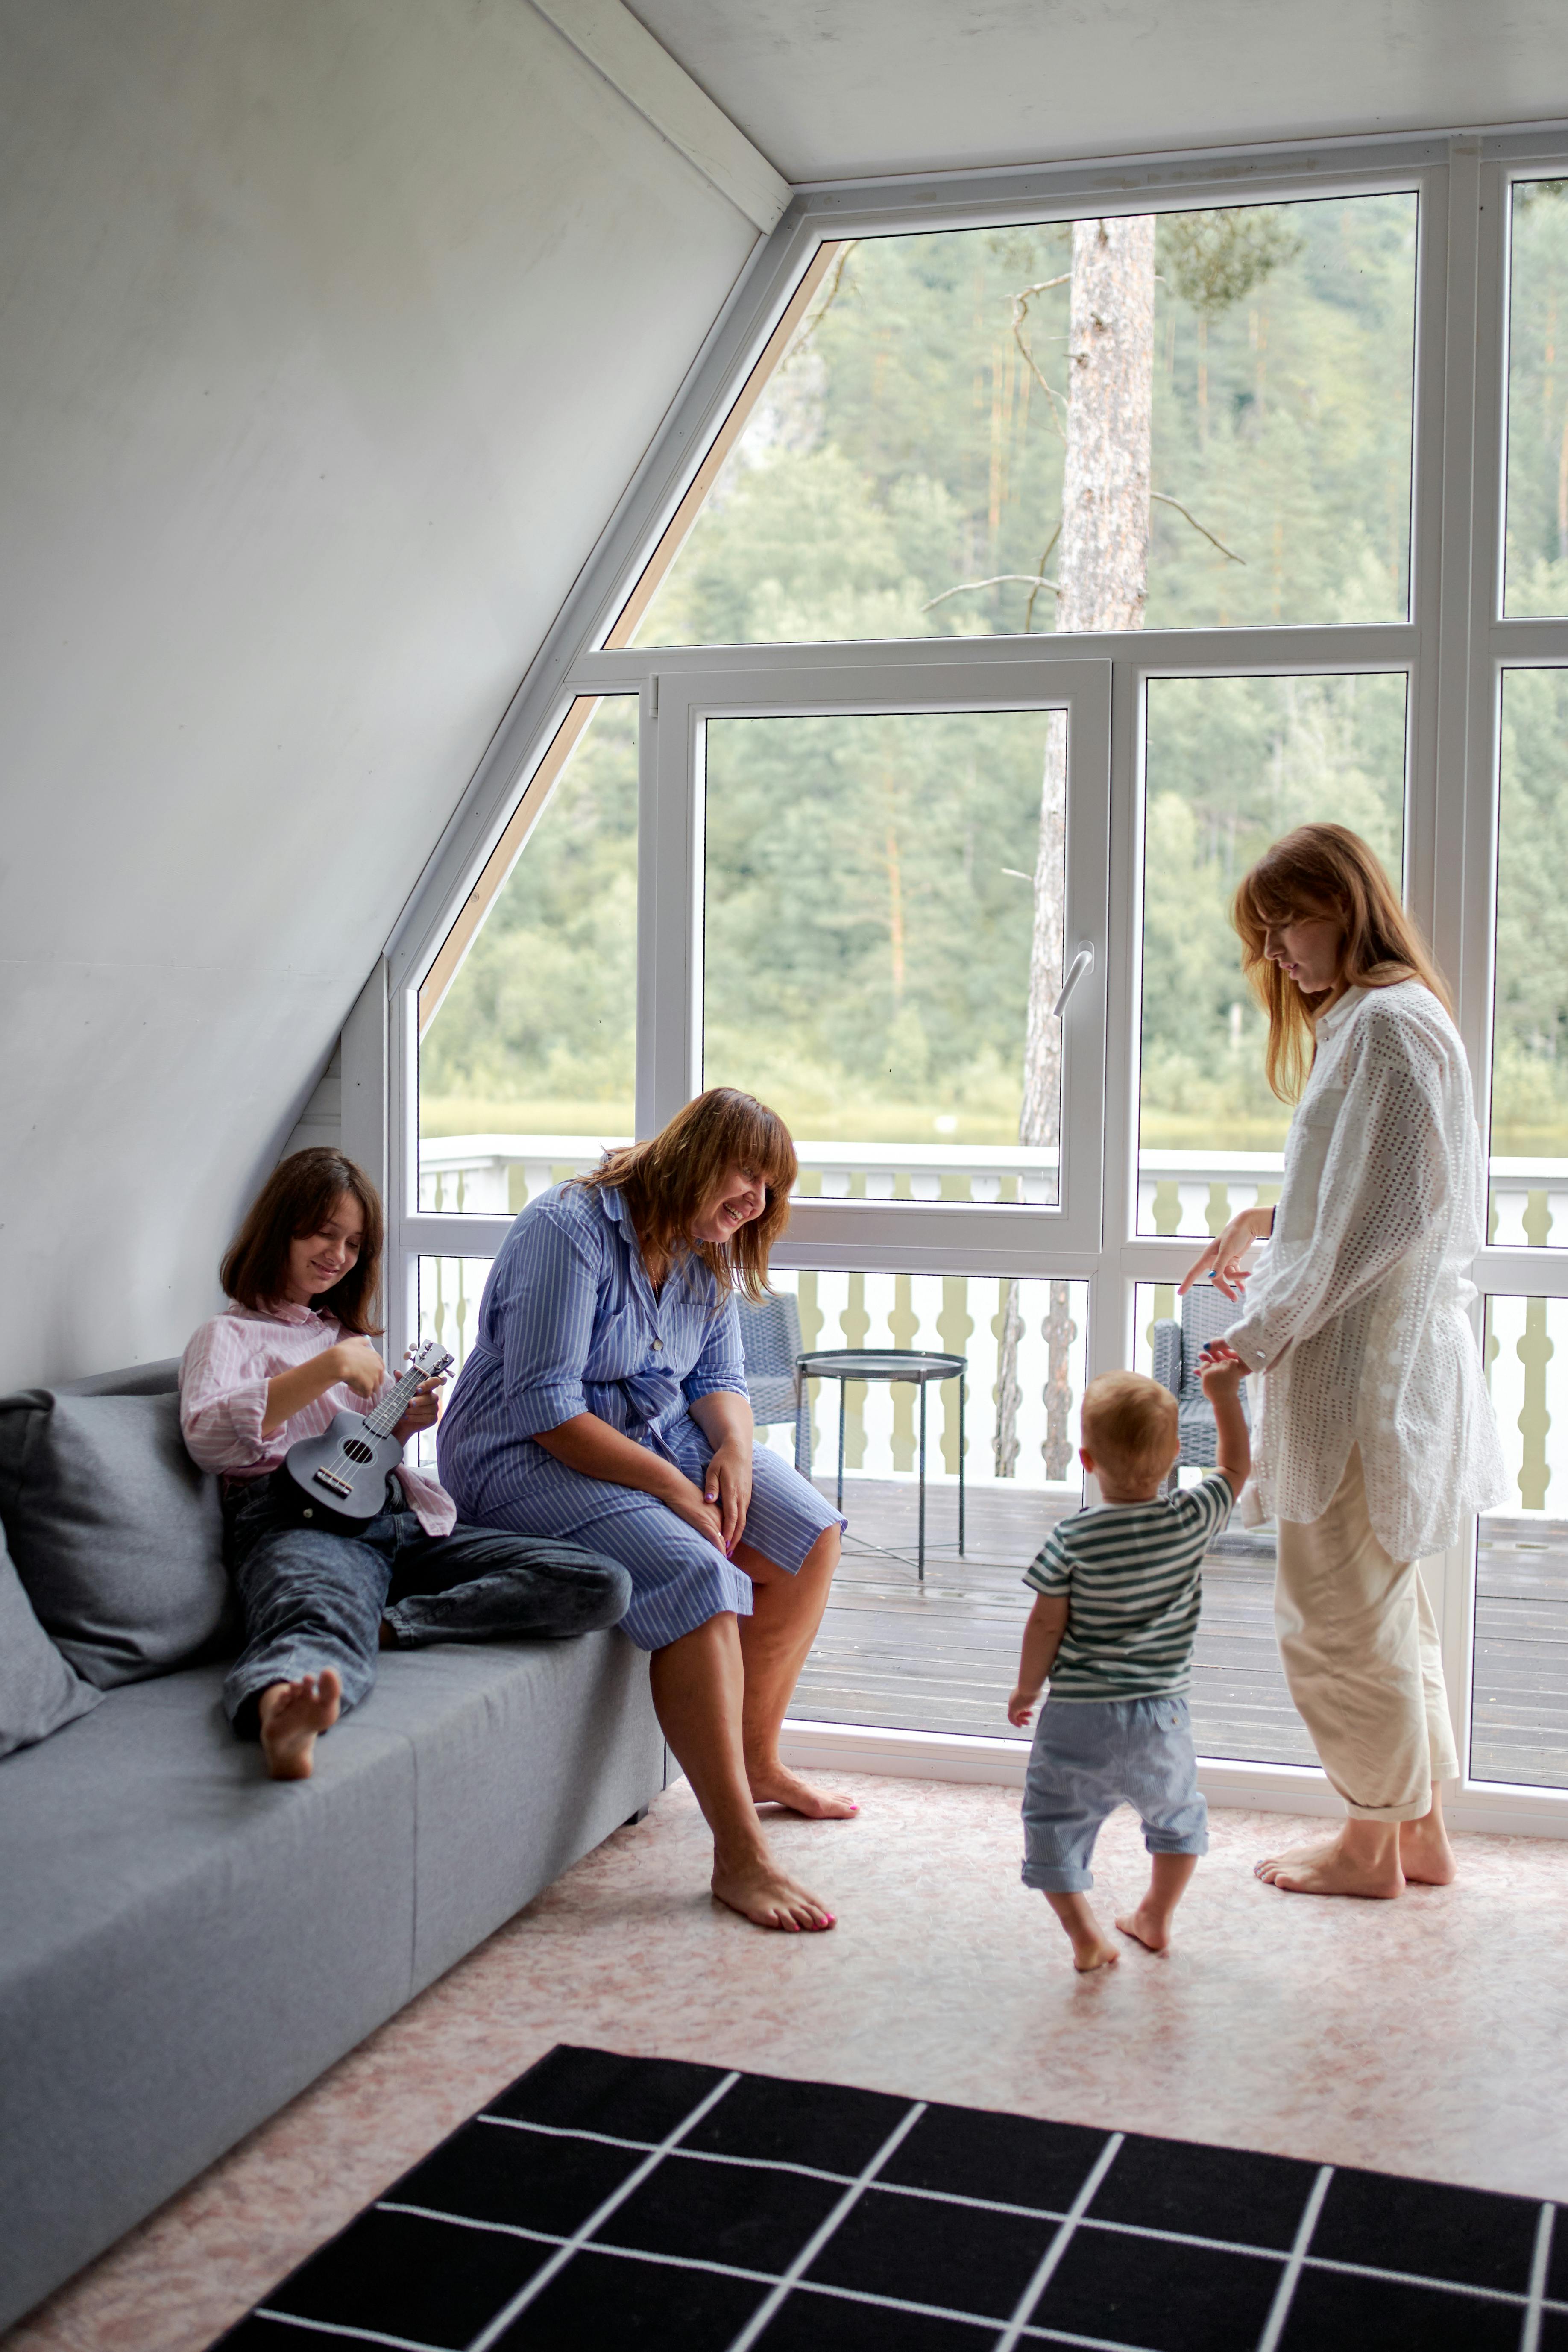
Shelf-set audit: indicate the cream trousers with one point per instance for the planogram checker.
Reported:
(1361, 1656)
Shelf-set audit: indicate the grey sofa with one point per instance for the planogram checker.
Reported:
(184, 1946)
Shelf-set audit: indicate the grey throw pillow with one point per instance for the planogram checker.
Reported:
(39, 1691)
(116, 1535)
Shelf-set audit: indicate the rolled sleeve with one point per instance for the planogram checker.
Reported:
(221, 1409)
(720, 1370)
(541, 1320)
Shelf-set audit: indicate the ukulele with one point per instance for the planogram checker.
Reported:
(342, 1473)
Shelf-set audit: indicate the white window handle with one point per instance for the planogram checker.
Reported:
(1083, 961)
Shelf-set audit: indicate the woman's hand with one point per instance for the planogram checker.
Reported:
(424, 1412)
(688, 1503)
(357, 1366)
(728, 1483)
(1224, 1254)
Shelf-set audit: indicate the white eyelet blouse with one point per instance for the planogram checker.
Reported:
(1359, 1308)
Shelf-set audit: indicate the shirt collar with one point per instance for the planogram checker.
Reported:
(1335, 1017)
(680, 1280)
(278, 1310)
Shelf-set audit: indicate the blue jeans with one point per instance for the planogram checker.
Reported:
(1090, 1756)
(311, 1599)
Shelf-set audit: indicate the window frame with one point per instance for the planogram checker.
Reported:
(1454, 645)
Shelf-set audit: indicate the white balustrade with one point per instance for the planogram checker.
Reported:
(495, 1173)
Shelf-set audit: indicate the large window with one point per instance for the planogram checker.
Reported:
(903, 474)
(929, 701)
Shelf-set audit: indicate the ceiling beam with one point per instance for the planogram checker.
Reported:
(664, 95)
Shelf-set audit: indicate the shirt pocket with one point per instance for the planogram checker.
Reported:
(619, 1345)
(1305, 1159)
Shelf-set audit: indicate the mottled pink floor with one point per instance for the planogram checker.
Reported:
(1424, 2036)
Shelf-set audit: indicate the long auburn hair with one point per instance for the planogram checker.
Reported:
(1323, 869)
(671, 1178)
(297, 1199)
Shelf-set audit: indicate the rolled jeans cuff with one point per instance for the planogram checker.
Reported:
(1058, 1878)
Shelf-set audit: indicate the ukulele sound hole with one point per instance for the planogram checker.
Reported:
(358, 1451)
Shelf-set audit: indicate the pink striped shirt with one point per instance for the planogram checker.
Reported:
(224, 1375)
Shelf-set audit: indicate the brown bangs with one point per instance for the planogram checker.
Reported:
(670, 1181)
(297, 1199)
(1324, 870)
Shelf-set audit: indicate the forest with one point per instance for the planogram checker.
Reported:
(869, 881)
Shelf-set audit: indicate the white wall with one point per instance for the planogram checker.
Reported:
(331, 331)
(837, 88)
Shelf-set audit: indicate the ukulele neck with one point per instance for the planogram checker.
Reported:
(395, 1404)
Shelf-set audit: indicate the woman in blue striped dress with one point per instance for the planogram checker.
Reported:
(604, 1398)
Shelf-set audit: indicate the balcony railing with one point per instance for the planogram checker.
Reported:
(1180, 1192)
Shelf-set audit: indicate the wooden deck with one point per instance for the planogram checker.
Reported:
(943, 1658)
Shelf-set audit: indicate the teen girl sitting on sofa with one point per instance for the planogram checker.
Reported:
(292, 1349)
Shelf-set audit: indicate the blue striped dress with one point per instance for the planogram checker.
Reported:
(569, 1324)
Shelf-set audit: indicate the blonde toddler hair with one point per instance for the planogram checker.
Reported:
(1129, 1425)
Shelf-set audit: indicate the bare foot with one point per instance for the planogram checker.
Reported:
(761, 1892)
(1094, 1954)
(1148, 1926)
(1334, 1866)
(291, 1716)
(1425, 1853)
(1089, 1948)
(774, 1784)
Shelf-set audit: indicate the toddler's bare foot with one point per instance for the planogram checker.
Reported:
(1425, 1853)
(1089, 1948)
(774, 1784)
(761, 1892)
(292, 1716)
(1094, 1953)
(1335, 1866)
(1147, 1926)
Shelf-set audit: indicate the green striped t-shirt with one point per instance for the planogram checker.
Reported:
(1130, 1574)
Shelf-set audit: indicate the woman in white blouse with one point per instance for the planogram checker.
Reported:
(1376, 1436)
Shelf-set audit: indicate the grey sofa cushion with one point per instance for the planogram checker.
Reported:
(39, 1691)
(116, 1535)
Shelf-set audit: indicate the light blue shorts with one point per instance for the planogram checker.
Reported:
(1090, 1756)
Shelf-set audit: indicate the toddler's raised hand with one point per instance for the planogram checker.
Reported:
(1220, 1370)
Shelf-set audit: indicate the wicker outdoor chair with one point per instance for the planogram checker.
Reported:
(770, 1342)
(1206, 1314)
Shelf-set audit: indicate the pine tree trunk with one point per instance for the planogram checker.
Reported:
(1102, 577)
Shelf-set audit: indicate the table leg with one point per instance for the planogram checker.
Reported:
(961, 1384)
(922, 1542)
(843, 1387)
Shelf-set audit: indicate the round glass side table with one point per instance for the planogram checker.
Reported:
(914, 1364)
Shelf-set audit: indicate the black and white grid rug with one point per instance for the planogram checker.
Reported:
(639, 2202)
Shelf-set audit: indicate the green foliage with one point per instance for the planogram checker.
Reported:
(544, 1004)
(1538, 401)
(1529, 1085)
(1232, 764)
(1215, 260)
(866, 941)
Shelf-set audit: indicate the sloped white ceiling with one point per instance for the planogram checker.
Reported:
(841, 88)
(330, 331)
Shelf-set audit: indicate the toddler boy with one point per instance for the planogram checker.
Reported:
(1112, 1629)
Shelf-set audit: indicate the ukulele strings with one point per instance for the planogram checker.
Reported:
(405, 1388)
